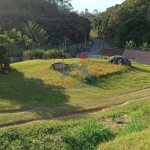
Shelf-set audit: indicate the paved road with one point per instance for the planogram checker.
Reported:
(95, 47)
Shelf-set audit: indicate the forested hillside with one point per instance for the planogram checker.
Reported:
(55, 16)
(125, 22)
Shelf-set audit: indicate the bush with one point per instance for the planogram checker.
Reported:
(88, 136)
(29, 54)
(34, 54)
(53, 54)
(58, 54)
(47, 54)
(38, 54)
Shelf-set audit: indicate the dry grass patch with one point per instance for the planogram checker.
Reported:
(94, 68)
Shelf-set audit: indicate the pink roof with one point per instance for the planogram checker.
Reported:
(138, 56)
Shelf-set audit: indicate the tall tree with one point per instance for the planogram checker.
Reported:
(4, 41)
(41, 36)
(31, 29)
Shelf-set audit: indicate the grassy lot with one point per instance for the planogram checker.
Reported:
(139, 140)
(29, 83)
(129, 130)
(136, 130)
(27, 94)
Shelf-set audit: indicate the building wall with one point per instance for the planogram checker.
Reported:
(105, 57)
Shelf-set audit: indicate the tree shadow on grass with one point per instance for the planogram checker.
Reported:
(19, 92)
(121, 80)
(140, 69)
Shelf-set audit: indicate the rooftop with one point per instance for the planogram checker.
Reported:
(110, 52)
(138, 56)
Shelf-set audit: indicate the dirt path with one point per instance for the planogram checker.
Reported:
(77, 113)
(75, 105)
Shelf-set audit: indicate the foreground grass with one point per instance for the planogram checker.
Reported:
(132, 141)
(85, 132)
(56, 135)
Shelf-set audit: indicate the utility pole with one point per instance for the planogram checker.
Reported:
(65, 43)
(85, 42)
(103, 45)
(63, 56)
(60, 47)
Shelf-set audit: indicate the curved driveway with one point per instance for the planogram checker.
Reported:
(95, 47)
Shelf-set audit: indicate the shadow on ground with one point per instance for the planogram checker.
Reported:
(140, 69)
(18, 92)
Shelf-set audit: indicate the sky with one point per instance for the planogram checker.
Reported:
(100, 5)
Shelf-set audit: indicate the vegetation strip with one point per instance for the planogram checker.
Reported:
(87, 103)
(77, 113)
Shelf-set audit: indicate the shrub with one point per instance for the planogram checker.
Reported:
(52, 54)
(34, 54)
(58, 54)
(29, 54)
(38, 54)
(88, 136)
(47, 54)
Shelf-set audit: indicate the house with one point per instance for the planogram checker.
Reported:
(107, 53)
(137, 56)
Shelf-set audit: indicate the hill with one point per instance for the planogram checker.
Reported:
(34, 114)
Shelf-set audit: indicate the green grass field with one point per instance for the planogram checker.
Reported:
(27, 95)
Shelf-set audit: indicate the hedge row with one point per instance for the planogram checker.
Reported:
(42, 54)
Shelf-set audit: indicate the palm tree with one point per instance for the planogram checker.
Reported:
(16, 36)
(35, 32)
(20, 40)
(31, 30)
(41, 36)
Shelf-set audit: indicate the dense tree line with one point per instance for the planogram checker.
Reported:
(26, 23)
(54, 16)
(88, 14)
(129, 21)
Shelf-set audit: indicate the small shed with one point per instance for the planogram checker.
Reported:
(107, 53)
(137, 55)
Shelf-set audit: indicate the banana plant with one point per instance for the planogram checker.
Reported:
(144, 46)
(130, 44)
